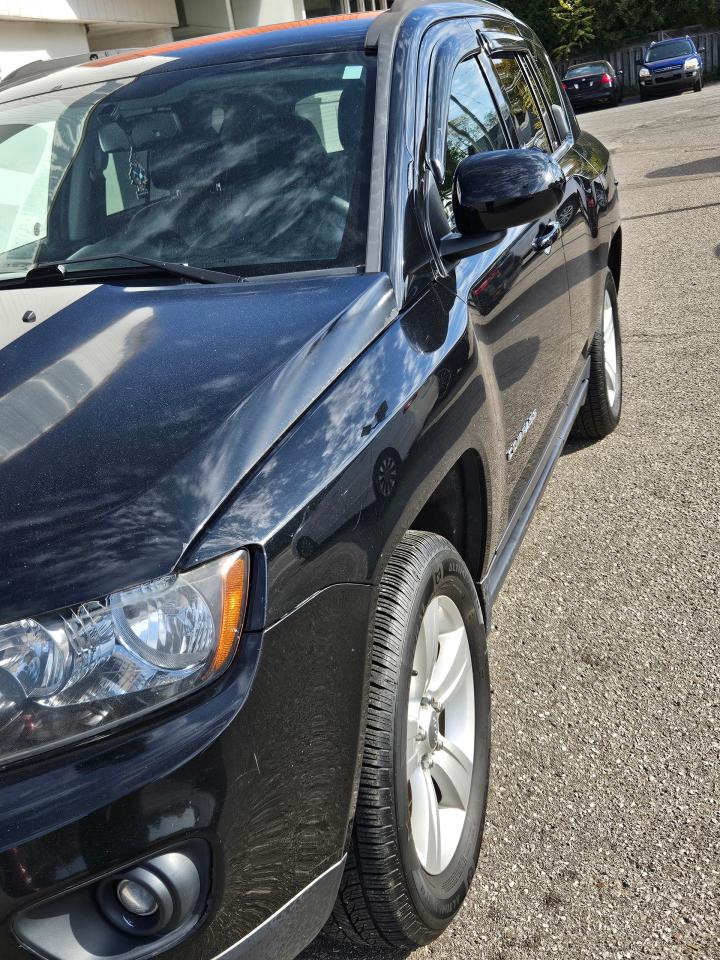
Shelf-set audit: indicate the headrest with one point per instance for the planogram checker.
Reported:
(257, 141)
(180, 163)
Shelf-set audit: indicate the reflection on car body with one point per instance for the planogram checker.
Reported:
(295, 323)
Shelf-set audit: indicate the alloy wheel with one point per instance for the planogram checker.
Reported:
(612, 367)
(440, 734)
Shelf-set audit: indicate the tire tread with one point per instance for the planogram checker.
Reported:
(373, 907)
(595, 418)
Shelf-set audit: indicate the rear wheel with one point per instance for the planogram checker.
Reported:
(600, 413)
(423, 786)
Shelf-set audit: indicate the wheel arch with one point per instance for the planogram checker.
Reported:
(457, 509)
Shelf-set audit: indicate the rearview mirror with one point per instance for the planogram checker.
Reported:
(505, 188)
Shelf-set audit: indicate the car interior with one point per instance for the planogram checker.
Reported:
(225, 170)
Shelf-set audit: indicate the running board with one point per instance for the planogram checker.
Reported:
(510, 543)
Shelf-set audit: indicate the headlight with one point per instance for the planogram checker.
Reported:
(72, 673)
(692, 63)
(643, 72)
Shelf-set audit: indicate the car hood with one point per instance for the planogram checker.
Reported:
(670, 62)
(129, 414)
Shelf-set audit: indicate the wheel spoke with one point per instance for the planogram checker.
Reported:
(453, 772)
(413, 758)
(453, 664)
(426, 653)
(425, 820)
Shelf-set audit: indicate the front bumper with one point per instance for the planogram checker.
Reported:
(262, 767)
(677, 80)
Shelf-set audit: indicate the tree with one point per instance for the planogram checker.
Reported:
(575, 28)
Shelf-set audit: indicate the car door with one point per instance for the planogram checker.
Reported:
(586, 194)
(516, 293)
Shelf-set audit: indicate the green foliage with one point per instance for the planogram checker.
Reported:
(569, 27)
(574, 20)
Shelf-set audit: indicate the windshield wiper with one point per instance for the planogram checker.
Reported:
(57, 269)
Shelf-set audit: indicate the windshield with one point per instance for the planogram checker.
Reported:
(258, 167)
(678, 48)
(587, 69)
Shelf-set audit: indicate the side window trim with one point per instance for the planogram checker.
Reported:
(539, 55)
(519, 54)
(534, 71)
(525, 60)
(445, 59)
(498, 95)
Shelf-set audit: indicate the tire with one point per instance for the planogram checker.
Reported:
(600, 413)
(643, 97)
(399, 889)
(697, 87)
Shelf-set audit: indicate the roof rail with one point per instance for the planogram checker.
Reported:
(391, 20)
(41, 68)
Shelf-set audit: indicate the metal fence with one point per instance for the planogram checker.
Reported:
(624, 59)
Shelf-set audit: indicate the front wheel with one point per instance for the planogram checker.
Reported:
(424, 778)
(600, 413)
(698, 85)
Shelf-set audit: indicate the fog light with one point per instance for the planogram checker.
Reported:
(136, 899)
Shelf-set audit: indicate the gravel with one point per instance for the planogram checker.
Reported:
(603, 828)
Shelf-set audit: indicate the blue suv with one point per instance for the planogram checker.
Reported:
(671, 65)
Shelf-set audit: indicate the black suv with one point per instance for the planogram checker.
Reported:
(295, 324)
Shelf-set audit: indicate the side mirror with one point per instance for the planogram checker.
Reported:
(505, 188)
(619, 73)
(701, 49)
(638, 62)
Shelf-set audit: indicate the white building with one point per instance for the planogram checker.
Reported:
(43, 29)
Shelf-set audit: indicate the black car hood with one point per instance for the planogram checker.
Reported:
(128, 415)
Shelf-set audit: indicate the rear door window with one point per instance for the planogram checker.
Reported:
(549, 83)
(527, 112)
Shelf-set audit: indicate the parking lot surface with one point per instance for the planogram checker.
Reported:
(603, 824)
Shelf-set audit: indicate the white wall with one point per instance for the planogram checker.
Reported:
(22, 42)
(253, 13)
(120, 39)
(158, 12)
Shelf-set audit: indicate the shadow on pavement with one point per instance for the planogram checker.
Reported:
(606, 107)
(574, 446)
(692, 168)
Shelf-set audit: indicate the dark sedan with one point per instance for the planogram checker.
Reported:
(588, 84)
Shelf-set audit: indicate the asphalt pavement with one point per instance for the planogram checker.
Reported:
(603, 824)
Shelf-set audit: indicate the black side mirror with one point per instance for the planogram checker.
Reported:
(505, 188)
(619, 73)
(701, 49)
(638, 62)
